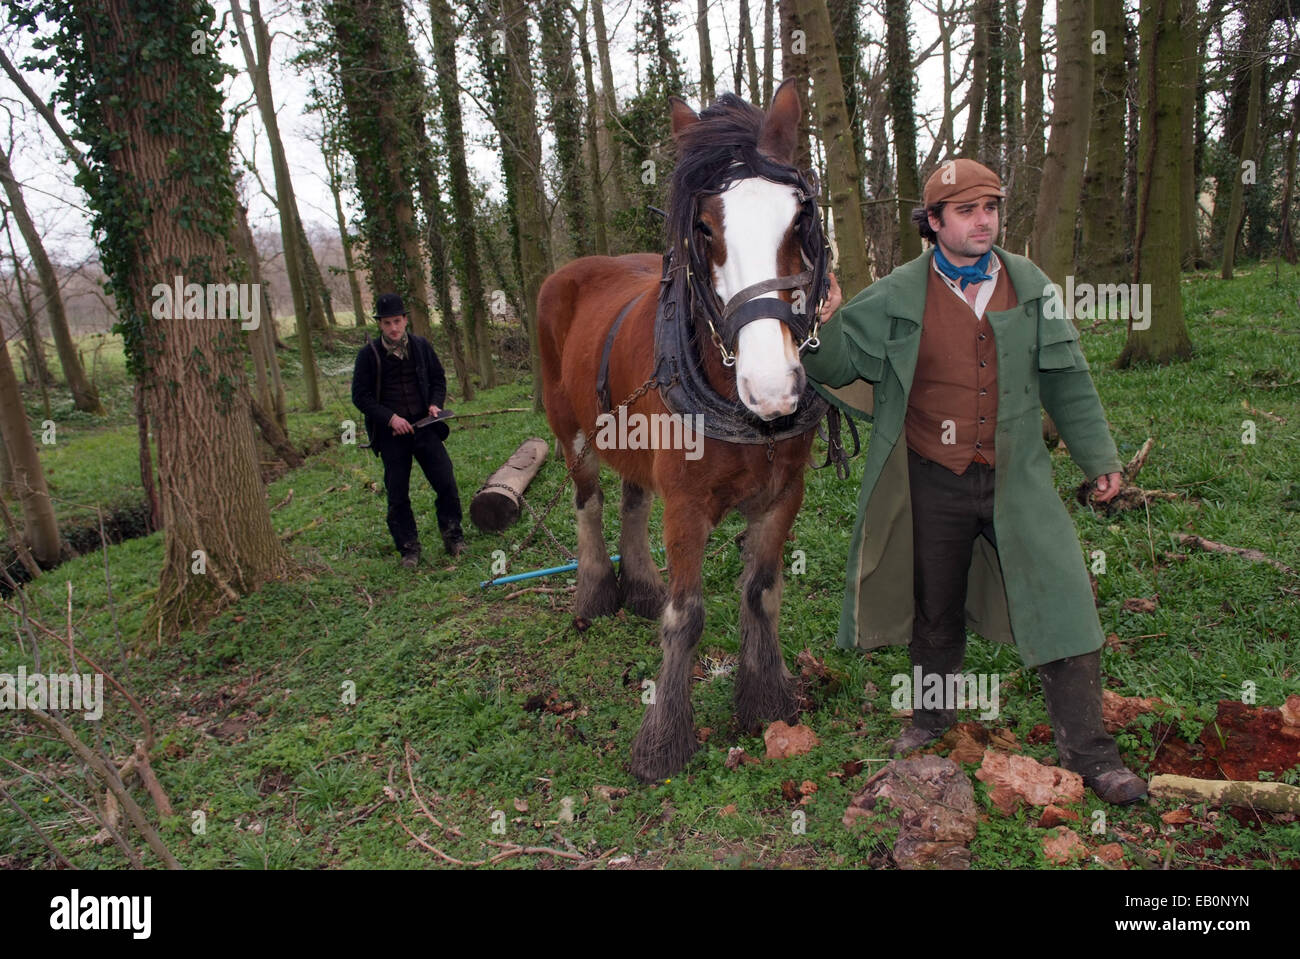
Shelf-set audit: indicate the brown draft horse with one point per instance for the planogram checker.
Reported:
(749, 227)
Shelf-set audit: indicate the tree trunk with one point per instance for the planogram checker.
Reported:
(1253, 37)
(746, 29)
(1131, 140)
(464, 252)
(848, 40)
(970, 141)
(898, 55)
(844, 189)
(1102, 257)
(331, 156)
(84, 395)
(241, 237)
(591, 119)
(794, 63)
(769, 49)
(1158, 241)
(1190, 181)
(1058, 198)
(991, 137)
(28, 478)
(708, 92)
(220, 543)
(1286, 240)
(561, 82)
(1022, 204)
(1012, 109)
(534, 253)
(259, 66)
(618, 186)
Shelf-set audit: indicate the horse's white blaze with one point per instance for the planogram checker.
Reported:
(756, 215)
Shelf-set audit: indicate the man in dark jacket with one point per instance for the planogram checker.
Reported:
(397, 382)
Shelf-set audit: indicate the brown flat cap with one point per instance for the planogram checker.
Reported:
(960, 181)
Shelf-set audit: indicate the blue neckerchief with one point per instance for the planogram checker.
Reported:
(967, 274)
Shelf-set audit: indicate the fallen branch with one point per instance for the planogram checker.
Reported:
(1200, 542)
(541, 589)
(1130, 495)
(1270, 797)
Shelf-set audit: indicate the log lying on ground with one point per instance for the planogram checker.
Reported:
(497, 504)
(1271, 797)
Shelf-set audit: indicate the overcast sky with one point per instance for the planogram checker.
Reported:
(58, 207)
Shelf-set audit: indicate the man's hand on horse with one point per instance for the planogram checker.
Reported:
(400, 425)
(833, 300)
(1107, 486)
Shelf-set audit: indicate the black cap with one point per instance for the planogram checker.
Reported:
(389, 304)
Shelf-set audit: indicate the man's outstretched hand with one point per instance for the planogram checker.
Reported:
(1107, 486)
(834, 297)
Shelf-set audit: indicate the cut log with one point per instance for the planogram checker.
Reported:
(497, 504)
(1271, 797)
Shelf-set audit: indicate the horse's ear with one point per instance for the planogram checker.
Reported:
(781, 128)
(683, 115)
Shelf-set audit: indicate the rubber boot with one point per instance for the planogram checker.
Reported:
(930, 724)
(1072, 692)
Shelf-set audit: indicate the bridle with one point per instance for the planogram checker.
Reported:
(725, 321)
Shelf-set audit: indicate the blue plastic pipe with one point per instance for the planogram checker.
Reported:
(518, 577)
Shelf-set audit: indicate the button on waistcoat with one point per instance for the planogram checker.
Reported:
(953, 404)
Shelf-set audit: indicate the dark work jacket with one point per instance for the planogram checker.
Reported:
(430, 378)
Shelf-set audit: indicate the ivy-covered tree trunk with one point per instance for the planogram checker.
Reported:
(1191, 95)
(464, 251)
(794, 64)
(561, 82)
(26, 477)
(1242, 170)
(619, 202)
(844, 192)
(1102, 257)
(142, 78)
(534, 248)
(1158, 242)
(591, 120)
(1058, 198)
(898, 56)
(1022, 203)
(991, 138)
(848, 40)
(979, 71)
(1286, 240)
(84, 395)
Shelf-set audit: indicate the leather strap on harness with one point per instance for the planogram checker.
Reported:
(602, 378)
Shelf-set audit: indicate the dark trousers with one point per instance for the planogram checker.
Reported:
(948, 513)
(426, 449)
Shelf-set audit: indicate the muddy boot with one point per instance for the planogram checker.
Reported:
(410, 556)
(929, 724)
(453, 540)
(1072, 691)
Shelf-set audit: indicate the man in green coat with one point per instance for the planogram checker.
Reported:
(960, 524)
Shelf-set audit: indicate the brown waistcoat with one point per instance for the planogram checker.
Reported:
(956, 377)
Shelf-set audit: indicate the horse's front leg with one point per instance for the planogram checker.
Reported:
(666, 739)
(764, 687)
(597, 593)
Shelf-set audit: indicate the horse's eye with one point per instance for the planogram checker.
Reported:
(704, 228)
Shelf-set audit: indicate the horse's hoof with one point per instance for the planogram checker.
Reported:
(658, 753)
(757, 704)
(597, 596)
(644, 597)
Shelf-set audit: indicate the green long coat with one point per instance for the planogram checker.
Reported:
(1039, 596)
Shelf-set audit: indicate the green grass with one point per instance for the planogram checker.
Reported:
(255, 730)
